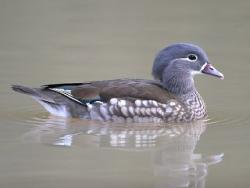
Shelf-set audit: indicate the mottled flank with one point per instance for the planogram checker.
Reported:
(143, 111)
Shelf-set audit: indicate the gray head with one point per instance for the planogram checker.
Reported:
(176, 65)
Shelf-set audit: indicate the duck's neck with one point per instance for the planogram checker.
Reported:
(181, 85)
(178, 83)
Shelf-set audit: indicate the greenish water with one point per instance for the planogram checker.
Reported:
(70, 41)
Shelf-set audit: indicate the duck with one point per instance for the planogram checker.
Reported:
(169, 97)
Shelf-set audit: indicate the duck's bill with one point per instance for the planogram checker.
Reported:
(210, 70)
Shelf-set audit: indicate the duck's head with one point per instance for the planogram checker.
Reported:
(176, 65)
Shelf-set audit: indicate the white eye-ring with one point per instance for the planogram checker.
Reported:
(192, 57)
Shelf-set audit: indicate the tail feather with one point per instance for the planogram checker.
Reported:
(37, 93)
(26, 90)
(42, 97)
(54, 102)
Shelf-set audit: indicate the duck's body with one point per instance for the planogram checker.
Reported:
(170, 98)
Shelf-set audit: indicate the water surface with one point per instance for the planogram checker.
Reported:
(70, 41)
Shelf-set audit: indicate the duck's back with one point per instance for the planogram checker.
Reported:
(105, 90)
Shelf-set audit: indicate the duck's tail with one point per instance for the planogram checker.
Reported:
(40, 94)
(55, 103)
(26, 90)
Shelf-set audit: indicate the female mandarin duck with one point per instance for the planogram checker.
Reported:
(171, 97)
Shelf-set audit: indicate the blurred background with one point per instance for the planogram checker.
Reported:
(82, 40)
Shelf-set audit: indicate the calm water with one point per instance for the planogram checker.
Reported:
(70, 41)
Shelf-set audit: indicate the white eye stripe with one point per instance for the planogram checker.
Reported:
(187, 59)
(190, 58)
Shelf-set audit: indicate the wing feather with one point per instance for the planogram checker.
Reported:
(121, 88)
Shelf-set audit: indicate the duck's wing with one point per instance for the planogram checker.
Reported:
(105, 90)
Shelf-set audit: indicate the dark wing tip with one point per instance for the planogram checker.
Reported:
(24, 90)
(17, 88)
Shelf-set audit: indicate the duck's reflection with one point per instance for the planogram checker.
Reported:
(171, 147)
(176, 164)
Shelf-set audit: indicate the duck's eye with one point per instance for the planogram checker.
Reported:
(192, 57)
